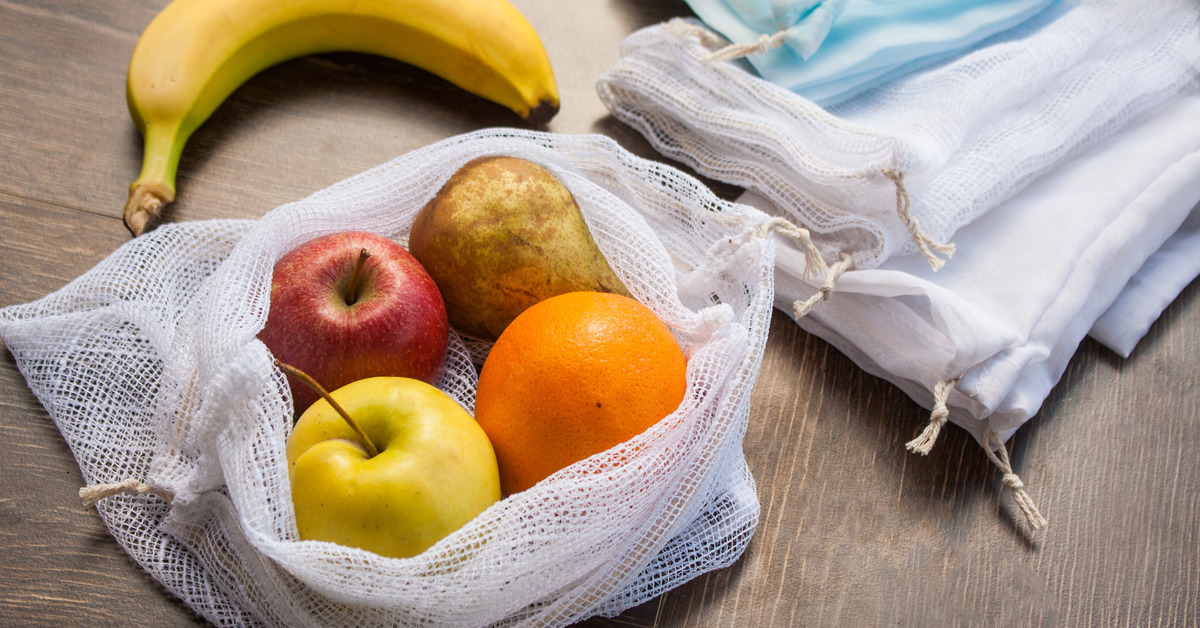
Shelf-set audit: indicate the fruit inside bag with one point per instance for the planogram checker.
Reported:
(150, 366)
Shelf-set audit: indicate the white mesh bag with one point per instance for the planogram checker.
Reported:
(149, 366)
(1060, 155)
(899, 169)
(1099, 245)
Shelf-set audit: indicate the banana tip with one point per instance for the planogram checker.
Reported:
(542, 113)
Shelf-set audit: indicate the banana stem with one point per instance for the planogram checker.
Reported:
(155, 186)
(145, 202)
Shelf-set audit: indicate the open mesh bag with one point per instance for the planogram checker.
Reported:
(150, 367)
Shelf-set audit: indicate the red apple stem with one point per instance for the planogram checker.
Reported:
(352, 291)
(320, 390)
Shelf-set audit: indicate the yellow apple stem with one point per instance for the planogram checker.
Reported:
(320, 390)
(352, 291)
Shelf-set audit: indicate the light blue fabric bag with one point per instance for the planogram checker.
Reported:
(831, 50)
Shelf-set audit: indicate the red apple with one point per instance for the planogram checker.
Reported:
(342, 315)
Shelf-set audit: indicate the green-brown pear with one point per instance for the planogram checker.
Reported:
(502, 234)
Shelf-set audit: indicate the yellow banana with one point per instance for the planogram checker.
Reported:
(197, 52)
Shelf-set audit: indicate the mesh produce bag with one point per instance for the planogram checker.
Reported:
(1063, 152)
(900, 168)
(1099, 245)
(150, 367)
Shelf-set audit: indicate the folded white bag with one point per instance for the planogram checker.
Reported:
(994, 330)
(1033, 152)
(902, 167)
(1152, 289)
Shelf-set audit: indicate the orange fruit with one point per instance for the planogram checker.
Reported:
(572, 376)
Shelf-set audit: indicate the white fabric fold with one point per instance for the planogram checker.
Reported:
(1152, 289)
(1033, 276)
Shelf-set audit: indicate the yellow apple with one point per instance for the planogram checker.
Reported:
(424, 470)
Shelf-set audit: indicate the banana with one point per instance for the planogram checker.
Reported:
(195, 53)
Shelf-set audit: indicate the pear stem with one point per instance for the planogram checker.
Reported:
(320, 390)
(352, 291)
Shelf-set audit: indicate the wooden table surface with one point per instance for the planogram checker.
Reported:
(854, 530)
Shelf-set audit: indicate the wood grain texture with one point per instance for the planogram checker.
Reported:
(854, 529)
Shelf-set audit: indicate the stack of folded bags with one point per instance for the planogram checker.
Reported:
(987, 183)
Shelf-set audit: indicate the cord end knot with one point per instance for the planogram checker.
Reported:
(999, 457)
